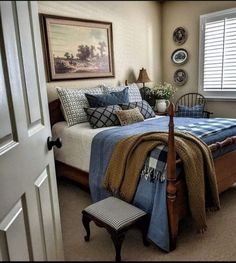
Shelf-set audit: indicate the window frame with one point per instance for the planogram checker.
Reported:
(210, 17)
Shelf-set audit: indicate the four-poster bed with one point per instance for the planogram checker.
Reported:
(177, 201)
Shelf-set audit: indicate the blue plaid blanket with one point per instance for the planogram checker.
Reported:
(155, 164)
(151, 195)
(151, 191)
(204, 128)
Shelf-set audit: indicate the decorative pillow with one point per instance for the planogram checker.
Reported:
(73, 102)
(122, 95)
(113, 98)
(127, 117)
(134, 93)
(194, 112)
(145, 109)
(103, 116)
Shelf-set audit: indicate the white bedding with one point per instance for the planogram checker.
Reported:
(76, 143)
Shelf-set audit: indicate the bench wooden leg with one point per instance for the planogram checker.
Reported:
(144, 225)
(117, 239)
(86, 220)
(117, 236)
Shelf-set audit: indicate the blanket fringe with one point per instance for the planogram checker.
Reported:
(149, 173)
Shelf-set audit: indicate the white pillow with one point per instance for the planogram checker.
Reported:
(133, 91)
(73, 102)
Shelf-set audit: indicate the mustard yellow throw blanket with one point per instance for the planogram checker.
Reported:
(128, 158)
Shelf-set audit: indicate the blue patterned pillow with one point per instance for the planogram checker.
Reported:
(112, 98)
(193, 112)
(103, 116)
(133, 92)
(143, 106)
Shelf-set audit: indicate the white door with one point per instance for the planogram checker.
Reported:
(30, 227)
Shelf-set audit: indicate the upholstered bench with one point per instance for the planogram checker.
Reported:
(117, 217)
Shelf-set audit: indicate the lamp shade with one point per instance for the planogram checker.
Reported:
(143, 76)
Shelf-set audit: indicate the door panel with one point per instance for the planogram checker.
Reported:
(30, 227)
(28, 67)
(8, 131)
(44, 193)
(14, 247)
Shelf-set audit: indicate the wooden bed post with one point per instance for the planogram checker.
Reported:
(171, 179)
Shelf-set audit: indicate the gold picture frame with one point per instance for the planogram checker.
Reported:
(77, 48)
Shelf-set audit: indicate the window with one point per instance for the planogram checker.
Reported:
(217, 61)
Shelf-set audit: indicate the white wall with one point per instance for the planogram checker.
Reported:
(136, 37)
(186, 14)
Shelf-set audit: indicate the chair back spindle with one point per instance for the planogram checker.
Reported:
(192, 99)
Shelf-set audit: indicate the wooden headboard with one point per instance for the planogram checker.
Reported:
(55, 112)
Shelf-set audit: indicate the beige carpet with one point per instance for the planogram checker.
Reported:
(217, 244)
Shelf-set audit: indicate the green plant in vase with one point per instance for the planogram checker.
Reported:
(163, 92)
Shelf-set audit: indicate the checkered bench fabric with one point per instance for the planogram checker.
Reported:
(115, 212)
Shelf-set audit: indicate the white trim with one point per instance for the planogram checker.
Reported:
(219, 13)
(219, 99)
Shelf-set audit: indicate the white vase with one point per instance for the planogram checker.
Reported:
(162, 105)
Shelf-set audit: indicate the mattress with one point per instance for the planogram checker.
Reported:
(76, 143)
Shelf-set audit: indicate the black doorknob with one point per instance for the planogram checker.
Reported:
(52, 143)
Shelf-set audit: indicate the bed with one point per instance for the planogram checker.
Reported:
(176, 192)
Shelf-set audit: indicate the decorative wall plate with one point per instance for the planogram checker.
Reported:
(179, 35)
(179, 56)
(180, 77)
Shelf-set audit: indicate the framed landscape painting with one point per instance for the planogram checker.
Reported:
(77, 48)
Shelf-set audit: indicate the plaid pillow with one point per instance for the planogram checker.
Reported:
(193, 112)
(143, 106)
(103, 116)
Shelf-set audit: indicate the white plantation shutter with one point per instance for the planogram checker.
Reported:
(217, 67)
(229, 66)
(213, 55)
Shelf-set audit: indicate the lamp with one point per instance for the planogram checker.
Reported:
(145, 91)
(143, 77)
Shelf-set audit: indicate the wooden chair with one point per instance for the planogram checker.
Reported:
(192, 99)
